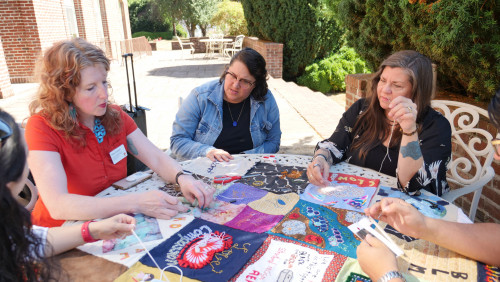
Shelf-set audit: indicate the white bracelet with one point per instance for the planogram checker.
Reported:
(391, 275)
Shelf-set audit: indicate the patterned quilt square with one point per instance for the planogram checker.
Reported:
(277, 178)
(320, 226)
(280, 257)
(254, 221)
(221, 212)
(275, 204)
(206, 251)
(239, 193)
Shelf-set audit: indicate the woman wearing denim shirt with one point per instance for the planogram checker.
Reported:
(235, 114)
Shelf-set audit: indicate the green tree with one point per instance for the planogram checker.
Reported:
(305, 27)
(199, 13)
(230, 18)
(461, 36)
(144, 16)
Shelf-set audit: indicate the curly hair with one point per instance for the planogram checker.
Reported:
(256, 65)
(372, 125)
(59, 74)
(22, 256)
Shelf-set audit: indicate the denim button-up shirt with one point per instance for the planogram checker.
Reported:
(198, 123)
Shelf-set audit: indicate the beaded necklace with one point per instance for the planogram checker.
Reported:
(99, 130)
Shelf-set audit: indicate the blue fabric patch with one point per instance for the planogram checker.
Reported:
(321, 227)
(218, 266)
(429, 205)
(241, 194)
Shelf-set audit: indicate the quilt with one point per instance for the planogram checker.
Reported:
(254, 221)
(206, 251)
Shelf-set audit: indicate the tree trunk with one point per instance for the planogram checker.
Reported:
(203, 30)
(173, 28)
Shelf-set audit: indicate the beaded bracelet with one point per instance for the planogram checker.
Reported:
(408, 134)
(320, 155)
(87, 237)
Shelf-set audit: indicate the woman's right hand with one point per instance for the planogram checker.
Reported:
(318, 171)
(158, 204)
(117, 226)
(219, 155)
(375, 258)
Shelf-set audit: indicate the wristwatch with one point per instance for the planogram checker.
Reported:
(391, 275)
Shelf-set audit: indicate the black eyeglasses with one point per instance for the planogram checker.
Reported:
(244, 83)
(5, 131)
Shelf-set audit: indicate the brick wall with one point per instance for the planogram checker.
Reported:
(5, 86)
(271, 51)
(489, 204)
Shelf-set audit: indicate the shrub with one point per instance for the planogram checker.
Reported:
(329, 74)
(306, 31)
(229, 18)
(461, 36)
(144, 16)
(153, 35)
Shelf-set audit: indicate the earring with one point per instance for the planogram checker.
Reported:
(72, 111)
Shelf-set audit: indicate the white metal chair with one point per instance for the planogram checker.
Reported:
(470, 169)
(234, 46)
(188, 45)
(216, 46)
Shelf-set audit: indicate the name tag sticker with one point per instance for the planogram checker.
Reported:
(118, 154)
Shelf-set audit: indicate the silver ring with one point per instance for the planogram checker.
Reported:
(315, 165)
(410, 109)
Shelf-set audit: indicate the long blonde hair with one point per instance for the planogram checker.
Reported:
(59, 73)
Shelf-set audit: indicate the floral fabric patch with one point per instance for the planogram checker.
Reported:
(320, 226)
(277, 178)
(206, 251)
(254, 221)
(239, 193)
(330, 271)
(129, 250)
(275, 204)
(221, 212)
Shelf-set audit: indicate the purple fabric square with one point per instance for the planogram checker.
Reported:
(254, 221)
(238, 194)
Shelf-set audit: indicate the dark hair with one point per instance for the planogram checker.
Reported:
(372, 125)
(22, 256)
(494, 110)
(256, 65)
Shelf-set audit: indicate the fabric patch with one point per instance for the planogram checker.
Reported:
(170, 189)
(254, 221)
(132, 250)
(277, 178)
(329, 274)
(355, 277)
(198, 245)
(221, 212)
(346, 192)
(428, 204)
(141, 272)
(427, 261)
(320, 226)
(487, 272)
(239, 193)
(275, 204)
(205, 167)
(146, 228)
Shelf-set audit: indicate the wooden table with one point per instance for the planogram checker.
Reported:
(81, 266)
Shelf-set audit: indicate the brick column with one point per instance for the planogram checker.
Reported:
(355, 87)
(5, 85)
(272, 53)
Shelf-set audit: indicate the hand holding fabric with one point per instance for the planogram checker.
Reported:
(158, 204)
(400, 215)
(194, 189)
(219, 155)
(118, 226)
(375, 258)
(404, 111)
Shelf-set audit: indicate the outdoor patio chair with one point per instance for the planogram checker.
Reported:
(235, 46)
(186, 45)
(216, 46)
(472, 153)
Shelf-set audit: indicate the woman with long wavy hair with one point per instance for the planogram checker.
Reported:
(78, 144)
(394, 130)
(24, 247)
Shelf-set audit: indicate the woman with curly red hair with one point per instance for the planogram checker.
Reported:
(78, 144)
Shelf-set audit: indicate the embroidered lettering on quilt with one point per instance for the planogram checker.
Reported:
(183, 241)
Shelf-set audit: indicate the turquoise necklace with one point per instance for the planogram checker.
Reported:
(99, 130)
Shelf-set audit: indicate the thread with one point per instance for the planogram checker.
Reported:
(389, 144)
(157, 266)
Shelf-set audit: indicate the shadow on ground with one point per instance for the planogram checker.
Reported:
(188, 71)
(301, 147)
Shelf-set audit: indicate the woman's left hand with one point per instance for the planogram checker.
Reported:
(118, 226)
(375, 258)
(194, 189)
(404, 111)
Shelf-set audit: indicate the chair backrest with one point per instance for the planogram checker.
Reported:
(238, 42)
(216, 36)
(470, 166)
(180, 42)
